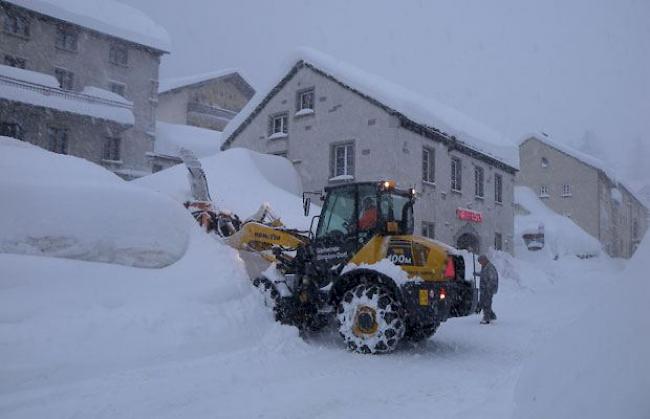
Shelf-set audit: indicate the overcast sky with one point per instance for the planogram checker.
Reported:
(560, 66)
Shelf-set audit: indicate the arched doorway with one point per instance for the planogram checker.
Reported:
(468, 241)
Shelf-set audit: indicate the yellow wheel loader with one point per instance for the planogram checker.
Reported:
(363, 268)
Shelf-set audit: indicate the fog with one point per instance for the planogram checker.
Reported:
(577, 70)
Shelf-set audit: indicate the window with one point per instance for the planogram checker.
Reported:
(119, 55)
(566, 190)
(498, 241)
(278, 125)
(57, 140)
(337, 214)
(11, 129)
(112, 149)
(284, 154)
(66, 38)
(65, 78)
(428, 229)
(498, 188)
(117, 88)
(153, 94)
(155, 168)
(544, 162)
(305, 100)
(456, 174)
(544, 191)
(12, 61)
(479, 184)
(428, 165)
(16, 25)
(342, 162)
(635, 229)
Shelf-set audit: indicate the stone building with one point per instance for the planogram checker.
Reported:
(206, 100)
(105, 57)
(336, 123)
(581, 187)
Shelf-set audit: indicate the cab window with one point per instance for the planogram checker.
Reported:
(338, 214)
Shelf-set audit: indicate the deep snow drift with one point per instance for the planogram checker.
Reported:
(170, 138)
(597, 366)
(563, 237)
(63, 206)
(193, 339)
(240, 180)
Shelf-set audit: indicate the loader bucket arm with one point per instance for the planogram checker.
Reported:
(254, 236)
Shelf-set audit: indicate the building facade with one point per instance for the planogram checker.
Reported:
(80, 57)
(333, 132)
(206, 101)
(580, 187)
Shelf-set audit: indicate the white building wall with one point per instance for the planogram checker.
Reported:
(383, 150)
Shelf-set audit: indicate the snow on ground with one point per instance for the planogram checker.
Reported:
(170, 138)
(193, 339)
(63, 206)
(597, 365)
(563, 237)
(240, 180)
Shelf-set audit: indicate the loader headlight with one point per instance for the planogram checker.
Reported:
(387, 185)
(443, 294)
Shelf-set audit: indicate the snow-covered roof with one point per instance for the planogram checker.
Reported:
(42, 90)
(174, 83)
(421, 110)
(106, 16)
(587, 159)
(170, 138)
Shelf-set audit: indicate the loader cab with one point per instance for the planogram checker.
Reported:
(353, 213)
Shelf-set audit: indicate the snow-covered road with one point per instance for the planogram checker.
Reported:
(95, 323)
(178, 342)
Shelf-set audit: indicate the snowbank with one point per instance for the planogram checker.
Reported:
(596, 367)
(67, 323)
(562, 236)
(422, 110)
(240, 180)
(170, 138)
(105, 16)
(63, 206)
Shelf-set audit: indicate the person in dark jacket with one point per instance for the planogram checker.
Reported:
(489, 286)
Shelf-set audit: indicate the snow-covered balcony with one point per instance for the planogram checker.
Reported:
(43, 90)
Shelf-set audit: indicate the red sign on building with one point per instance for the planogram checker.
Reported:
(469, 215)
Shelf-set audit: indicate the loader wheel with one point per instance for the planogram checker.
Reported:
(420, 333)
(370, 319)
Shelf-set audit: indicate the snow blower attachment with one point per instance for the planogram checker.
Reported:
(223, 223)
(363, 268)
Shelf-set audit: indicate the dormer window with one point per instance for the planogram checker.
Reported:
(278, 127)
(305, 102)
